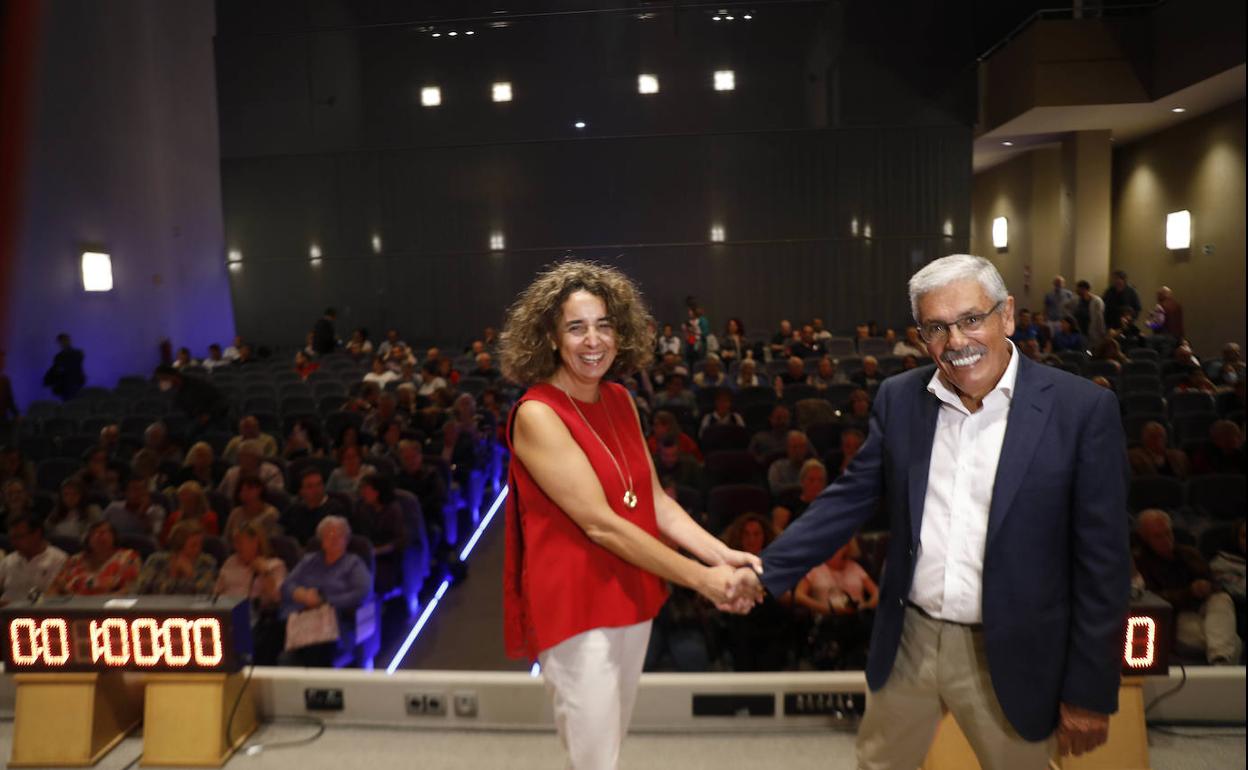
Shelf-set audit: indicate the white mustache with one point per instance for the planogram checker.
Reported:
(949, 355)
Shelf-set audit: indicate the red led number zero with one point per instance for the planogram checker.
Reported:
(1140, 643)
(46, 641)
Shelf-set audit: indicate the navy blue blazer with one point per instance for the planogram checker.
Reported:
(1057, 563)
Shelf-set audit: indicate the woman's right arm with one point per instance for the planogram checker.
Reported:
(559, 466)
(806, 598)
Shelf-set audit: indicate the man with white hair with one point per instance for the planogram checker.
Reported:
(249, 429)
(1205, 619)
(1004, 484)
(251, 463)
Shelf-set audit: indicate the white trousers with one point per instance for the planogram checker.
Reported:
(1212, 629)
(592, 678)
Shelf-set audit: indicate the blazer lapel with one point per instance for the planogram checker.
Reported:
(1029, 411)
(922, 435)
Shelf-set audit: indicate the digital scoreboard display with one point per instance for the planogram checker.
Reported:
(109, 633)
(1147, 636)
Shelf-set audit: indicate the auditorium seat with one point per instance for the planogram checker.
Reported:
(49, 473)
(732, 466)
(1219, 496)
(1155, 492)
(728, 501)
(1190, 402)
(719, 437)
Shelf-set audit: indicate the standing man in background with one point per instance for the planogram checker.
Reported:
(65, 377)
(1008, 568)
(324, 338)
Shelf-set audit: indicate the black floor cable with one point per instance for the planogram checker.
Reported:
(1168, 693)
(256, 748)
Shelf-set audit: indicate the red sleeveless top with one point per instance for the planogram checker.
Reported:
(557, 582)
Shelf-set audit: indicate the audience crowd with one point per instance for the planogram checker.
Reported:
(337, 480)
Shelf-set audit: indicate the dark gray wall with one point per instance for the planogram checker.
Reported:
(325, 142)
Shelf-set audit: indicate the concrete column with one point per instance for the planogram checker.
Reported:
(1087, 161)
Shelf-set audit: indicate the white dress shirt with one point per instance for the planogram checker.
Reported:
(18, 575)
(948, 573)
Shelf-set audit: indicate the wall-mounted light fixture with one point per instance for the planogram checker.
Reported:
(1179, 230)
(497, 242)
(717, 233)
(501, 92)
(1001, 233)
(97, 271)
(647, 84)
(725, 80)
(431, 96)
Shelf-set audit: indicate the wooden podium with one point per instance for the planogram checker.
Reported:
(185, 717)
(72, 719)
(1126, 749)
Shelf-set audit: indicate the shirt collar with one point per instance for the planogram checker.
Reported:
(936, 386)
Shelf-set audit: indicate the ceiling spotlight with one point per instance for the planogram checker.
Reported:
(235, 255)
(1178, 109)
(647, 84)
(451, 34)
(502, 92)
(714, 18)
(437, 34)
(470, 32)
(725, 80)
(729, 18)
(747, 17)
(579, 124)
(314, 252)
(431, 96)
(1007, 144)
(376, 242)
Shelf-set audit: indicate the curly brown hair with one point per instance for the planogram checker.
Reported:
(532, 321)
(733, 534)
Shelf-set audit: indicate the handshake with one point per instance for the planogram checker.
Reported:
(734, 585)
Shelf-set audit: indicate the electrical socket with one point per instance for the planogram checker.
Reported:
(327, 699)
(431, 704)
(465, 703)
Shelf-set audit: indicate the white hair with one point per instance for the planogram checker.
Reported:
(1151, 514)
(333, 521)
(956, 267)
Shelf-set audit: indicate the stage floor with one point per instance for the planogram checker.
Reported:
(387, 749)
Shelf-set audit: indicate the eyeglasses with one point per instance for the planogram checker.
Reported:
(938, 331)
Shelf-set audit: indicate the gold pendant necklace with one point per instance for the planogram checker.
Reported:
(630, 497)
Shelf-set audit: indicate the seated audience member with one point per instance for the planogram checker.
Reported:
(392, 339)
(252, 509)
(722, 414)
(183, 359)
(214, 359)
(16, 502)
(430, 381)
(485, 367)
(329, 575)
(249, 430)
(30, 568)
(423, 481)
(1228, 574)
(1154, 457)
(780, 341)
(827, 375)
(852, 440)
(1231, 369)
(760, 640)
(387, 411)
(858, 412)
(381, 375)
(183, 567)
(352, 468)
(1109, 350)
(197, 398)
(675, 393)
(231, 353)
(389, 434)
(733, 346)
(908, 363)
(136, 514)
(250, 463)
(99, 479)
(200, 466)
(1223, 453)
(806, 346)
(304, 365)
(1183, 354)
(464, 437)
(842, 596)
(747, 375)
(665, 367)
(378, 516)
(785, 473)
(1197, 382)
(1023, 328)
(812, 479)
(448, 372)
(145, 464)
(309, 344)
(870, 374)
(246, 356)
(304, 440)
(14, 465)
(73, 512)
(668, 342)
(674, 467)
(313, 504)
(794, 374)
(712, 374)
(365, 401)
(768, 442)
(666, 424)
(1103, 382)
(110, 439)
(1068, 338)
(912, 345)
(156, 440)
(192, 506)
(252, 571)
(101, 567)
(1044, 332)
(1204, 615)
(359, 345)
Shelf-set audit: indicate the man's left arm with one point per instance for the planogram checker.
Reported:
(1100, 564)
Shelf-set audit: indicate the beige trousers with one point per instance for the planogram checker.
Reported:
(592, 678)
(941, 667)
(1211, 630)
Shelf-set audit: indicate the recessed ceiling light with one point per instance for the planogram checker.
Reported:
(725, 80)
(501, 92)
(431, 96)
(714, 18)
(437, 34)
(747, 17)
(579, 124)
(647, 84)
(1178, 109)
(451, 34)
(729, 18)
(470, 32)
(1007, 144)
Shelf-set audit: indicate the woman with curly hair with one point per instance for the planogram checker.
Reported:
(584, 568)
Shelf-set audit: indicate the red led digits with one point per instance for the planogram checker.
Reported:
(46, 642)
(176, 637)
(145, 635)
(1140, 642)
(116, 642)
(55, 641)
(207, 635)
(24, 642)
(110, 640)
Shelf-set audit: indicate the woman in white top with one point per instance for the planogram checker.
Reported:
(843, 596)
(380, 374)
(252, 571)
